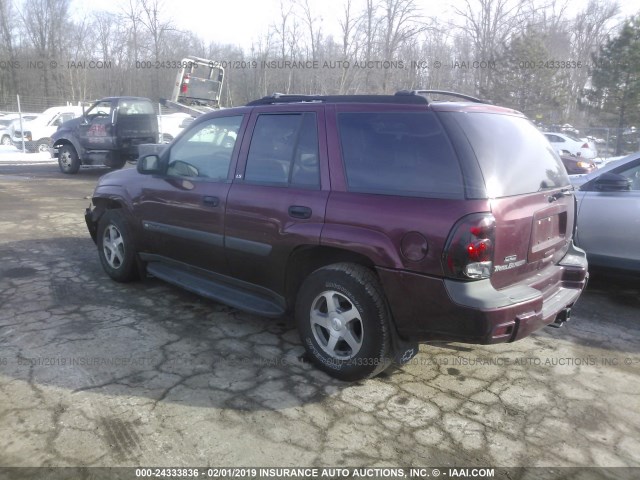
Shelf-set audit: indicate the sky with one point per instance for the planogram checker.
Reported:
(241, 22)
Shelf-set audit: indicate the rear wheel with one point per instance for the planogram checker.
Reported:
(6, 140)
(343, 321)
(115, 247)
(68, 160)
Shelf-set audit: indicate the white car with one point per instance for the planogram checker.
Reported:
(9, 122)
(36, 133)
(5, 131)
(574, 145)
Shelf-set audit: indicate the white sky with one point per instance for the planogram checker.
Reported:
(239, 22)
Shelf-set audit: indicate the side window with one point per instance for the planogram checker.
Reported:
(284, 150)
(101, 109)
(64, 117)
(205, 151)
(633, 174)
(398, 153)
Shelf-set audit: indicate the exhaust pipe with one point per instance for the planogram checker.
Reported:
(563, 316)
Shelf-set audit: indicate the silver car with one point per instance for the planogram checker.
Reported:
(609, 214)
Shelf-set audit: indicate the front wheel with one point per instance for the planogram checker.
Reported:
(43, 146)
(343, 321)
(115, 247)
(116, 164)
(6, 140)
(68, 160)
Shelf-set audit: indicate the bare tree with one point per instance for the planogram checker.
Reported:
(311, 23)
(6, 35)
(589, 30)
(490, 23)
(402, 22)
(157, 28)
(369, 23)
(45, 29)
(349, 28)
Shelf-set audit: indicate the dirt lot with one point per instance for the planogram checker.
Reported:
(95, 373)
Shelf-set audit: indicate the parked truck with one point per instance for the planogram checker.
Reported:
(108, 133)
(197, 88)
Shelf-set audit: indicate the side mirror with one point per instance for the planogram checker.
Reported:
(148, 164)
(612, 182)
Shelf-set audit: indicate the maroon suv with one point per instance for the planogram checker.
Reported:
(381, 221)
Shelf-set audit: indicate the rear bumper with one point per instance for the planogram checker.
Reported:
(434, 309)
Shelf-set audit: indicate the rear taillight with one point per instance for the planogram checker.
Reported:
(586, 145)
(468, 253)
(185, 83)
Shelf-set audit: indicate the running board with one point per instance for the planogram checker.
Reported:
(219, 291)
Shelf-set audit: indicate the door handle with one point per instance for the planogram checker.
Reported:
(298, 211)
(211, 201)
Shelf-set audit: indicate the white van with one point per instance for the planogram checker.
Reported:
(37, 133)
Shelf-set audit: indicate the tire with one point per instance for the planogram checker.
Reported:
(6, 140)
(116, 164)
(68, 160)
(115, 247)
(344, 322)
(43, 146)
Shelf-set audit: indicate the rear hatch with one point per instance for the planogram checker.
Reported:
(530, 195)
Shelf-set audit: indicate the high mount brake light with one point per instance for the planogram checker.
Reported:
(469, 249)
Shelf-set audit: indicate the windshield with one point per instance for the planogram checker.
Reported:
(515, 158)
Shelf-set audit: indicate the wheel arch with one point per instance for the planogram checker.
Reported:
(67, 140)
(306, 259)
(101, 205)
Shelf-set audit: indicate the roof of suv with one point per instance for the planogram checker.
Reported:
(402, 97)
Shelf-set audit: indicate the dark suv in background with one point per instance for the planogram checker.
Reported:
(381, 221)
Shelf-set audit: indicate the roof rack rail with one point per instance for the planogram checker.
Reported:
(426, 94)
(277, 98)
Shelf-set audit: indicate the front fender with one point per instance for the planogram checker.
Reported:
(66, 136)
(107, 197)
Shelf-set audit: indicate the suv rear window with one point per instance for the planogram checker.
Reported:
(515, 158)
(395, 153)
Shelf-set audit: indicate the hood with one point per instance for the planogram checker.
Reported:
(119, 177)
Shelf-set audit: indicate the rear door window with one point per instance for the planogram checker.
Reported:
(284, 151)
(514, 156)
(396, 153)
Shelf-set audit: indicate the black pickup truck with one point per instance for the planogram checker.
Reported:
(108, 133)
